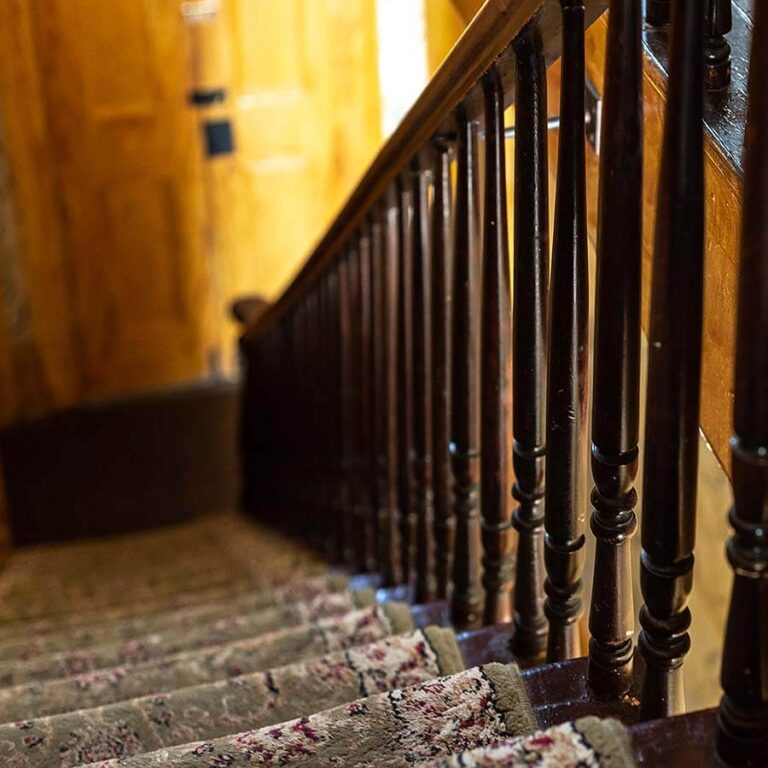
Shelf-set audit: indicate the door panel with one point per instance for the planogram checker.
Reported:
(129, 161)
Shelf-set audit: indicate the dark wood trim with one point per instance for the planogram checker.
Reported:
(565, 499)
(155, 458)
(674, 377)
(743, 716)
(496, 367)
(616, 372)
(529, 343)
(442, 306)
(467, 600)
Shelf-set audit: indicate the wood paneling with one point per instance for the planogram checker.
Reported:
(38, 367)
(131, 243)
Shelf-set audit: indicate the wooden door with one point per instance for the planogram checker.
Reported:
(132, 241)
(305, 105)
(129, 165)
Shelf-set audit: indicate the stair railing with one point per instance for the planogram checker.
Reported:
(449, 393)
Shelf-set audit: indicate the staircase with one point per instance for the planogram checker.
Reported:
(405, 587)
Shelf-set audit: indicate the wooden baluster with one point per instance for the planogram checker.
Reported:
(565, 502)
(718, 22)
(743, 718)
(423, 501)
(467, 600)
(366, 504)
(389, 528)
(496, 367)
(616, 373)
(529, 342)
(674, 365)
(405, 380)
(347, 363)
(336, 444)
(445, 521)
(378, 418)
(657, 12)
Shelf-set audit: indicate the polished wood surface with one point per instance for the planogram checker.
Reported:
(743, 716)
(496, 367)
(467, 599)
(565, 495)
(672, 421)
(616, 372)
(442, 307)
(423, 499)
(365, 500)
(347, 494)
(132, 242)
(378, 446)
(405, 426)
(389, 520)
(529, 343)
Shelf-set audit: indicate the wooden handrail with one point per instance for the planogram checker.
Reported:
(484, 42)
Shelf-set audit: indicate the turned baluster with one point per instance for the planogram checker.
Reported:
(405, 380)
(467, 599)
(529, 342)
(496, 367)
(616, 372)
(389, 526)
(336, 414)
(743, 717)
(565, 476)
(366, 500)
(657, 12)
(445, 521)
(423, 502)
(379, 442)
(674, 365)
(718, 22)
(372, 230)
(347, 489)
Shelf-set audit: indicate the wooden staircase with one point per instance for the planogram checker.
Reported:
(407, 586)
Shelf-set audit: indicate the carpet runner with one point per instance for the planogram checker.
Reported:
(263, 652)
(405, 726)
(170, 641)
(586, 743)
(128, 628)
(220, 644)
(239, 704)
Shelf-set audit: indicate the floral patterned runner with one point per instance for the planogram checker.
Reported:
(239, 704)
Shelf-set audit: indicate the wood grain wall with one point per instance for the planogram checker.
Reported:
(95, 299)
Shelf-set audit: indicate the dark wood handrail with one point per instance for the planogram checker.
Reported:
(485, 41)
